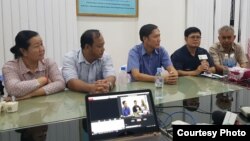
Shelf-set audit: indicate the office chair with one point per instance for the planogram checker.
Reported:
(1, 88)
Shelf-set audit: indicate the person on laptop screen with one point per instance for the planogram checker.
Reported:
(143, 105)
(137, 109)
(89, 69)
(145, 58)
(125, 109)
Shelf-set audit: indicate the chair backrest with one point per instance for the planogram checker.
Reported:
(248, 49)
(1, 85)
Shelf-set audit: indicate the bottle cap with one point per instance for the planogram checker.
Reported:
(232, 55)
(158, 69)
(123, 68)
(13, 98)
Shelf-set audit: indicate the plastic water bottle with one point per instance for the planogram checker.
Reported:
(159, 83)
(159, 79)
(226, 64)
(232, 61)
(123, 79)
(226, 60)
(229, 60)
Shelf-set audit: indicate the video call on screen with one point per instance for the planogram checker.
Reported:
(109, 109)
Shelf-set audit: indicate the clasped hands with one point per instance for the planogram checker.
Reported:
(203, 67)
(171, 78)
(100, 86)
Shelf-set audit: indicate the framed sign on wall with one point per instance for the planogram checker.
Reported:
(113, 8)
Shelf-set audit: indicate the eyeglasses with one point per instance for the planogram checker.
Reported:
(195, 37)
(227, 37)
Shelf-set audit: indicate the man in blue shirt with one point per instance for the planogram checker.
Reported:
(186, 59)
(145, 58)
(125, 109)
(89, 69)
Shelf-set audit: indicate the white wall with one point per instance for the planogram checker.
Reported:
(121, 34)
(60, 28)
(245, 23)
(203, 20)
(54, 20)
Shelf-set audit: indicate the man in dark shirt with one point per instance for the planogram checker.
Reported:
(187, 60)
(136, 109)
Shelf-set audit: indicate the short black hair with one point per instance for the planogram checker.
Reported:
(88, 37)
(146, 30)
(190, 30)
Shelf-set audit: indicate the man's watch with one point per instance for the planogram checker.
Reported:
(110, 86)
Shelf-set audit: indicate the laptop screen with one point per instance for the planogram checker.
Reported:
(120, 114)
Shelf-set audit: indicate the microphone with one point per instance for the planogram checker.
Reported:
(224, 118)
(203, 59)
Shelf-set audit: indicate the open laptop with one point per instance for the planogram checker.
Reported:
(108, 119)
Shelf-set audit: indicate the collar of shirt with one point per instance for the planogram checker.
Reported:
(222, 49)
(196, 51)
(82, 59)
(24, 69)
(143, 50)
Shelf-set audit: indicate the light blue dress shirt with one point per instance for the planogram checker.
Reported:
(147, 64)
(75, 66)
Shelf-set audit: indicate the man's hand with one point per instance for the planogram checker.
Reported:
(204, 66)
(171, 78)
